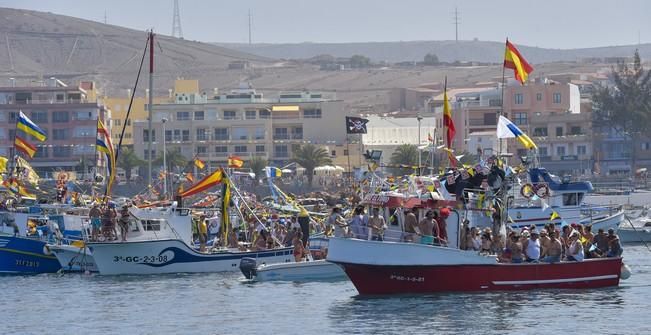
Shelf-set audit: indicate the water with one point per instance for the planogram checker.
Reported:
(225, 304)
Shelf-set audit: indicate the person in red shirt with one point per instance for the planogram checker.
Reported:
(440, 222)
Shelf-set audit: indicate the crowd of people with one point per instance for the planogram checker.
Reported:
(105, 222)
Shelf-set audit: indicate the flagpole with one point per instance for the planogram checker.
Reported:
(350, 172)
(14, 158)
(501, 110)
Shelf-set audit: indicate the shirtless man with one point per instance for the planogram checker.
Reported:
(516, 249)
(554, 249)
(428, 228)
(411, 223)
(545, 243)
(377, 225)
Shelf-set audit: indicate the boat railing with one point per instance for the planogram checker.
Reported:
(596, 212)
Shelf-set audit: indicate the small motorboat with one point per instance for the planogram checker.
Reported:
(292, 271)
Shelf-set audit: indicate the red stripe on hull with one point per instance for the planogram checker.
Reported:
(380, 279)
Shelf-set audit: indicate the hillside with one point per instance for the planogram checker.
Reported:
(447, 51)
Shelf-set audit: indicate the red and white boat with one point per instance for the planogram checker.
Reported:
(380, 268)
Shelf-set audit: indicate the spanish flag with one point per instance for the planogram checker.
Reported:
(235, 162)
(514, 60)
(189, 177)
(204, 184)
(24, 147)
(199, 163)
(29, 127)
(447, 117)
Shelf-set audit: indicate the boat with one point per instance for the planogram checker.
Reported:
(24, 236)
(291, 271)
(160, 241)
(411, 268)
(635, 231)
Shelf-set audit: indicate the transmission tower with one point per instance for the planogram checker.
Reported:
(456, 21)
(176, 22)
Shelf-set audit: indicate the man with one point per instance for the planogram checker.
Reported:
(601, 242)
(377, 225)
(554, 250)
(337, 222)
(95, 221)
(203, 233)
(428, 228)
(411, 224)
(516, 249)
(124, 222)
(532, 248)
(442, 224)
(304, 223)
(614, 245)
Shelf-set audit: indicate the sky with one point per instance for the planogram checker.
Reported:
(562, 24)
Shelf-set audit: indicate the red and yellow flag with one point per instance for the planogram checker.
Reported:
(235, 162)
(199, 163)
(189, 177)
(514, 60)
(447, 119)
(204, 184)
(24, 147)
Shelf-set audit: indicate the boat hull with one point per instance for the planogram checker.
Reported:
(74, 259)
(173, 256)
(19, 255)
(378, 268)
(301, 271)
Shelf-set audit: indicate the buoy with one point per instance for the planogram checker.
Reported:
(87, 273)
(625, 272)
(46, 250)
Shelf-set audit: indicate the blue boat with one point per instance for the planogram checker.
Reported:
(26, 255)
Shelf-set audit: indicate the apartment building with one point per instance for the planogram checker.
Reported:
(243, 122)
(68, 114)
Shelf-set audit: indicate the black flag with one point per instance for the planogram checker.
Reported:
(355, 125)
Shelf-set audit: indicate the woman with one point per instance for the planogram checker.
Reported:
(299, 249)
(575, 249)
(261, 241)
(486, 241)
(472, 240)
(124, 222)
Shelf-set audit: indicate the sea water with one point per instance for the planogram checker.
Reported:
(227, 304)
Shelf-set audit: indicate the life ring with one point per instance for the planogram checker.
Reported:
(542, 190)
(527, 190)
(46, 250)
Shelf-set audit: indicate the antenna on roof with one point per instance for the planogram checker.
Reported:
(176, 21)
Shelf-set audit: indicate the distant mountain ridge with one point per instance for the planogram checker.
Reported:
(447, 51)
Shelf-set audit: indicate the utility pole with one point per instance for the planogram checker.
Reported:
(249, 27)
(456, 21)
(176, 21)
(105, 21)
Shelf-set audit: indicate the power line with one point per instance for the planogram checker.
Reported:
(456, 20)
(177, 31)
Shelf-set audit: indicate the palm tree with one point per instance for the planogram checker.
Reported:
(257, 164)
(128, 160)
(405, 154)
(174, 160)
(309, 157)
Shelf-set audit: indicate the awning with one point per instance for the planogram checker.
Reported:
(285, 108)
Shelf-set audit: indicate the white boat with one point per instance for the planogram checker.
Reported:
(74, 257)
(635, 231)
(292, 271)
(160, 241)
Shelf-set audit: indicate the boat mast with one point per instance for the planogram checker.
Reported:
(149, 105)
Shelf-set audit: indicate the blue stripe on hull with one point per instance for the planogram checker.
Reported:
(25, 256)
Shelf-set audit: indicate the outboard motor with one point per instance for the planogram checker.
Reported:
(248, 266)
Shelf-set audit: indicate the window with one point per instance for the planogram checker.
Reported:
(128, 122)
(185, 135)
(522, 152)
(540, 131)
(151, 225)
(60, 151)
(250, 115)
(542, 151)
(240, 133)
(117, 122)
(41, 152)
(538, 96)
(221, 150)
(345, 152)
(201, 134)
(83, 116)
(168, 135)
(645, 146)
(490, 119)
(281, 134)
(559, 131)
(259, 148)
(560, 151)
(145, 135)
(84, 132)
(177, 134)
(240, 149)
(59, 134)
(312, 113)
(259, 133)
(13, 116)
(202, 150)
(60, 117)
(581, 150)
(39, 117)
(556, 98)
(230, 115)
(199, 115)
(520, 118)
(575, 130)
(519, 99)
(153, 154)
(265, 114)
(570, 199)
(220, 134)
(281, 151)
(297, 133)
(333, 153)
(182, 116)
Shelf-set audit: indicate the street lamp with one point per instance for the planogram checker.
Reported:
(164, 159)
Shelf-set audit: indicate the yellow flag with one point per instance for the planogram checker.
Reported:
(3, 164)
(554, 216)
